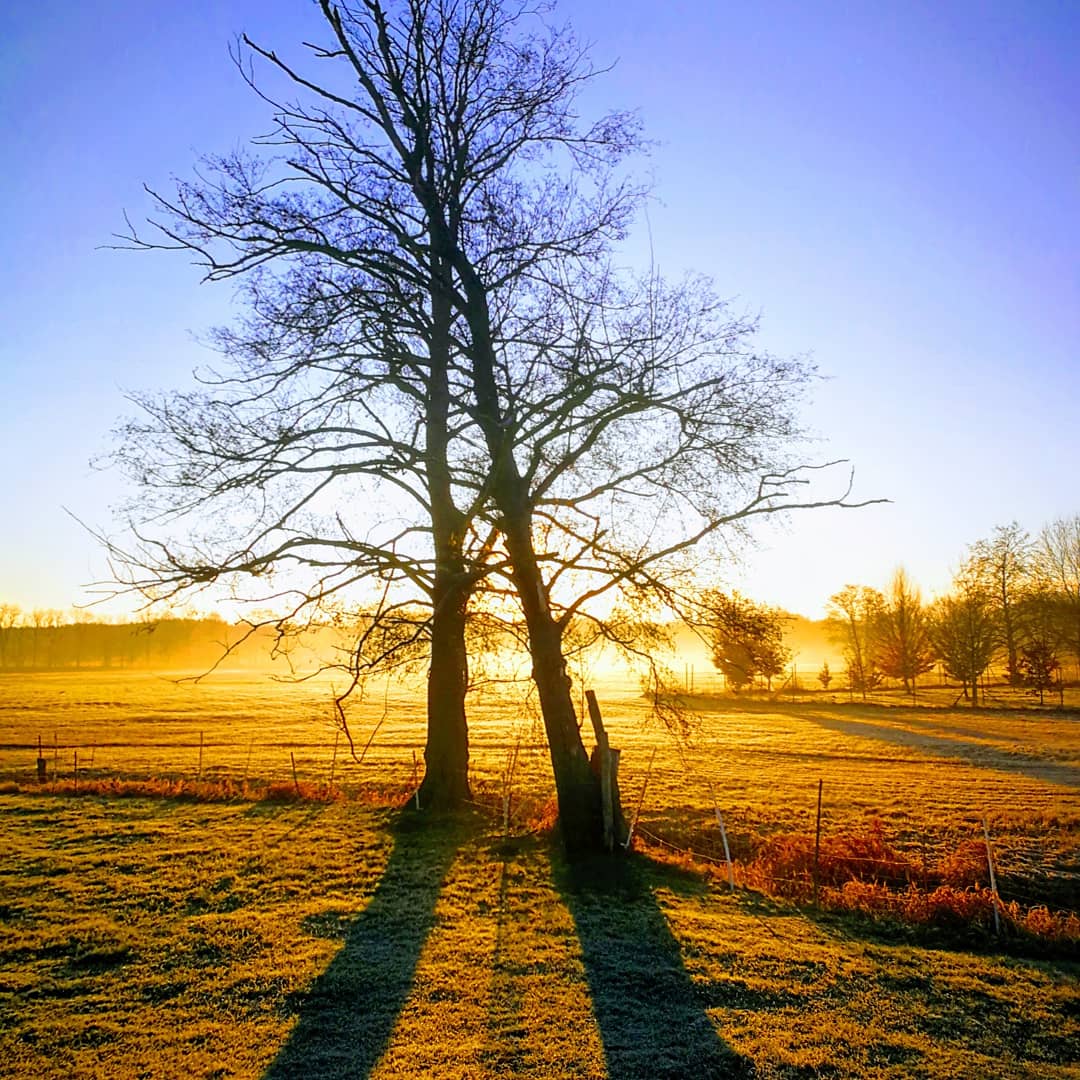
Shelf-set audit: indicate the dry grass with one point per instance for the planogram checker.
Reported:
(861, 873)
(151, 937)
(195, 927)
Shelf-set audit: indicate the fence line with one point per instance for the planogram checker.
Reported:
(502, 746)
(390, 759)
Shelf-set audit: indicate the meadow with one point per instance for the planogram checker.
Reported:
(151, 936)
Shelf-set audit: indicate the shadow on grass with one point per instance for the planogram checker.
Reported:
(651, 1016)
(903, 728)
(349, 1013)
(977, 754)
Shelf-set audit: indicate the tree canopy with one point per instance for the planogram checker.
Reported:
(747, 638)
(442, 389)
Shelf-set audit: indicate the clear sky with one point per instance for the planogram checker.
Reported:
(895, 188)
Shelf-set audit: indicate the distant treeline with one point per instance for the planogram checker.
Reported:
(1014, 605)
(1013, 611)
(55, 641)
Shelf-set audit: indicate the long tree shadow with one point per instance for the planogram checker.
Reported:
(652, 1018)
(348, 1014)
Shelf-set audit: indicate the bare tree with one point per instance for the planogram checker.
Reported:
(903, 646)
(422, 188)
(1057, 567)
(346, 367)
(445, 219)
(965, 629)
(1004, 563)
(855, 612)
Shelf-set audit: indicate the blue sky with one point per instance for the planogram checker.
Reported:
(895, 188)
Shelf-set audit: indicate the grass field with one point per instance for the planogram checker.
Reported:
(157, 937)
(931, 776)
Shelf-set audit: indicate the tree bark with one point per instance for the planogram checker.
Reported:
(446, 754)
(577, 786)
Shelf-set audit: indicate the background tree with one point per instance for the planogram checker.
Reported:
(1039, 661)
(747, 638)
(965, 630)
(1057, 567)
(1039, 665)
(825, 676)
(9, 617)
(902, 643)
(1004, 565)
(855, 612)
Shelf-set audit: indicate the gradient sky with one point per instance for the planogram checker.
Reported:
(895, 188)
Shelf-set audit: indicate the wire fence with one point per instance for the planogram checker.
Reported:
(932, 785)
(1035, 865)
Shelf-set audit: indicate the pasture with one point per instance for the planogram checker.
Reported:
(931, 776)
(162, 937)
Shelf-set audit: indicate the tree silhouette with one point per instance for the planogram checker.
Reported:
(902, 640)
(966, 632)
(442, 379)
(1004, 564)
(1057, 568)
(855, 613)
(1039, 665)
(747, 638)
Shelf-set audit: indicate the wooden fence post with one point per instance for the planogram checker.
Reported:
(727, 850)
(76, 772)
(199, 774)
(42, 770)
(993, 878)
(604, 756)
(641, 801)
(817, 842)
(295, 778)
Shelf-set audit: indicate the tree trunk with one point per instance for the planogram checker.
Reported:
(580, 812)
(1012, 666)
(446, 754)
(581, 818)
